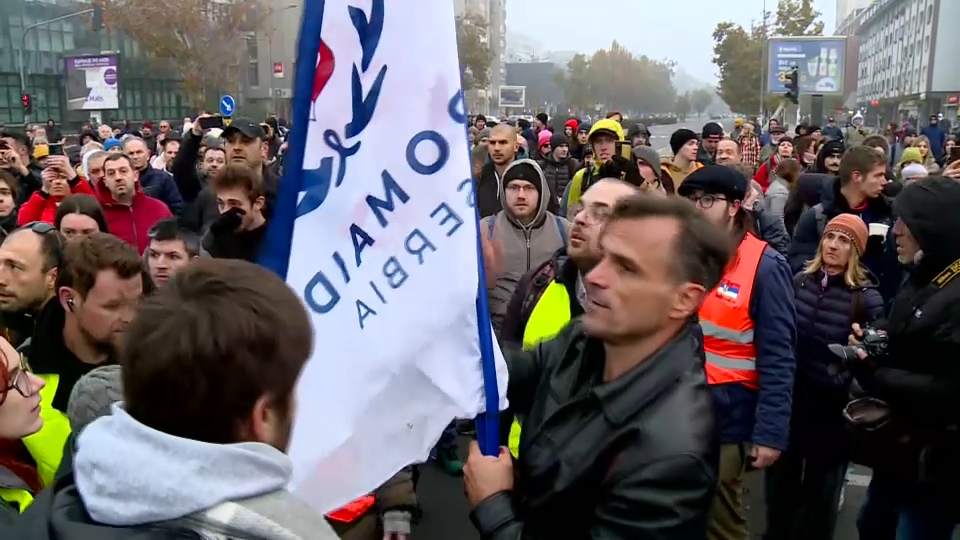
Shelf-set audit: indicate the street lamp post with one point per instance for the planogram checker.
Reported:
(23, 45)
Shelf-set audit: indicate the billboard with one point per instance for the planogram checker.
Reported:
(820, 61)
(513, 96)
(92, 82)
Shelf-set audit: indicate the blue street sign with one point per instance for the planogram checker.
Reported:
(227, 105)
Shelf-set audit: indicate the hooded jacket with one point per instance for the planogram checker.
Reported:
(131, 223)
(919, 376)
(585, 177)
(129, 481)
(524, 246)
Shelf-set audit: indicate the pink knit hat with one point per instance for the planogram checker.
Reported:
(543, 138)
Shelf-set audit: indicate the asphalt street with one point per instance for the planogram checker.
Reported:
(446, 512)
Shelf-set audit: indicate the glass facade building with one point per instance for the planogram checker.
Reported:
(145, 94)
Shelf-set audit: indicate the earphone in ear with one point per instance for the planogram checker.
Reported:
(70, 304)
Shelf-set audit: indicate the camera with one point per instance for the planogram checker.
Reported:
(874, 344)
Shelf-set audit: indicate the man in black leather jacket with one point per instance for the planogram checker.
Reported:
(919, 376)
(619, 438)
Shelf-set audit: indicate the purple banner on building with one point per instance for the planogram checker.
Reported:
(92, 82)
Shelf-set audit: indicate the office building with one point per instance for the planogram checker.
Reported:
(271, 55)
(908, 52)
(144, 93)
(847, 8)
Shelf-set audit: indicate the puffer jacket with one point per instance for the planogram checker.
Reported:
(558, 174)
(826, 307)
(524, 246)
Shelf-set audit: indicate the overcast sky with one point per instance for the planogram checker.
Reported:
(680, 29)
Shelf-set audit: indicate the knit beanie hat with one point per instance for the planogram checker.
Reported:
(572, 124)
(648, 155)
(911, 155)
(543, 138)
(681, 137)
(93, 395)
(524, 169)
(559, 140)
(851, 226)
(112, 142)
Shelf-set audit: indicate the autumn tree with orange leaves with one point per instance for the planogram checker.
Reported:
(200, 42)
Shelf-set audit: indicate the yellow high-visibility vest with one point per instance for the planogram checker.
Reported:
(548, 317)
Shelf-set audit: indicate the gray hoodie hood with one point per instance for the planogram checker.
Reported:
(544, 192)
(130, 474)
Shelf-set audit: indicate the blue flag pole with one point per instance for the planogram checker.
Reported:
(488, 423)
(275, 253)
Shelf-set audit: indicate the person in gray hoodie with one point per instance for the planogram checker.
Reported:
(525, 230)
(197, 449)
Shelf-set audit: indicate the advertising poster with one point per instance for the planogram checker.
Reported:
(92, 83)
(820, 62)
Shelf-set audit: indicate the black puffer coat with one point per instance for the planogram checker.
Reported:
(826, 307)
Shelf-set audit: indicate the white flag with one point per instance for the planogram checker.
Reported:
(384, 245)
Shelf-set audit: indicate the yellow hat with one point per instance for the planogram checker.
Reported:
(41, 151)
(738, 122)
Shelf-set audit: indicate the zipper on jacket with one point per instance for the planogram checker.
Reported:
(526, 235)
(133, 225)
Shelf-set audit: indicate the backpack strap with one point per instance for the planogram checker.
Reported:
(821, 218)
(562, 229)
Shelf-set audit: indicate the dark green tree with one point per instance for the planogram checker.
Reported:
(797, 18)
(700, 99)
(683, 107)
(474, 52)
(575, 82)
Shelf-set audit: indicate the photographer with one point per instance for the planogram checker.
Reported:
(913, 377)
(15, 158)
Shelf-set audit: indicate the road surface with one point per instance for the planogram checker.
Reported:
(446, 512)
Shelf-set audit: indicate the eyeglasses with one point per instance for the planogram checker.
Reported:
(515, 188)
(21, 381)
(596, 215)
(706, 201)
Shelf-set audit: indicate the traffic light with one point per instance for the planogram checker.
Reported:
(793, 85)
(27, 102)
(97, 24)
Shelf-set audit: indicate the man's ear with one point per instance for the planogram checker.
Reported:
(68, 298)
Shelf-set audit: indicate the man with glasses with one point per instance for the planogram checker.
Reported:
(551, 295)
(98, 290)
(749, 327)
(29, 260)
(171, 249)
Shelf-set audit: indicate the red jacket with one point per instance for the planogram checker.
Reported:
(131, 223)
(42, 207)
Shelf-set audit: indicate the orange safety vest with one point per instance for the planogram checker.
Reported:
(353, 511)
(725, 319)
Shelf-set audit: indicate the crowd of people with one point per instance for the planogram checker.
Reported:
(672, 321)
(718, 277)
(115, 243)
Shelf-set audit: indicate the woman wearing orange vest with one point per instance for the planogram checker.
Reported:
(749, 327)
(387, 511)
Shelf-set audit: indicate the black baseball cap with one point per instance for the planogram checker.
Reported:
(247, 126)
